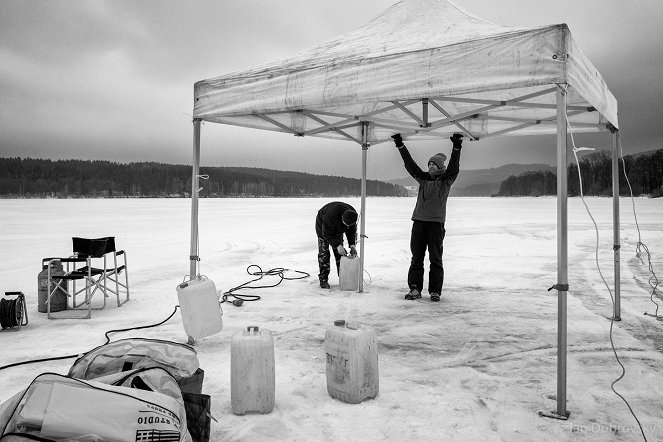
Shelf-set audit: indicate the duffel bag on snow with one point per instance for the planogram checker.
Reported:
(55, 407)
(123, 355)
(196, 405)
(128, 354)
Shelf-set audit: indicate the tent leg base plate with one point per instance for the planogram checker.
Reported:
(554, 415)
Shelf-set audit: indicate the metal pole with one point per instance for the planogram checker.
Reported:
(615, 221)
(193, 255)
(562, 251)
(362, 218)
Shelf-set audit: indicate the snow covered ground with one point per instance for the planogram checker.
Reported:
(477, 366)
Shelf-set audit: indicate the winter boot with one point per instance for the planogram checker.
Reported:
(413, 294)
(324, 284)
(435, 297)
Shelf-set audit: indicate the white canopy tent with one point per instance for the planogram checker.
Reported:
(426, 69)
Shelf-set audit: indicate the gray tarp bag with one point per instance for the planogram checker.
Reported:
(179, 360)
(60, 408)
(139, 365)
(196, 405)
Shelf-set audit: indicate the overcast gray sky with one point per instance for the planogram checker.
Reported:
(113, 80)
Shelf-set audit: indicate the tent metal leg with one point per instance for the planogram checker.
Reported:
(193, 255)
(362, 218)
(562, 285)
(562, 250)
(615, 222)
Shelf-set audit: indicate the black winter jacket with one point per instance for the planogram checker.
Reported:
(433, 191)
(329, 224)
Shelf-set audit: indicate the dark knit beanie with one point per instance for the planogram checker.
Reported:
(438, 159)
(350, 217)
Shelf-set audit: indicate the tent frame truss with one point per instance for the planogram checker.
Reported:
(422, 124)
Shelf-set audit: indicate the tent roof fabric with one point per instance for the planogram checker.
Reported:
(424, 68)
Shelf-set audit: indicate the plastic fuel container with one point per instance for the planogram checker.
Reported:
(252, 373)
(352, 362)
(349, 273)
(201, 311)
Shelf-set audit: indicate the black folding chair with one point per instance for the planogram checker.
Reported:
(89, 264)
(113, 271)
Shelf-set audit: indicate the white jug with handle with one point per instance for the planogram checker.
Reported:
(201, 311)
(349, 273)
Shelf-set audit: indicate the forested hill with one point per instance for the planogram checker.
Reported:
(478, 182)
(644, 170)
(38, 178)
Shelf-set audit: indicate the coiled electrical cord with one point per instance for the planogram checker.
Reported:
(11, 312)
(277, 271)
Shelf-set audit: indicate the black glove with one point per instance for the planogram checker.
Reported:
(398, 140)
(457, 140)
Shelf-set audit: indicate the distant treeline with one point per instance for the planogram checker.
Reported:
(645, 174)
(39, 178)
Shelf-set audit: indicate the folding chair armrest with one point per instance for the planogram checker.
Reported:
(49, 260)
(68, 259)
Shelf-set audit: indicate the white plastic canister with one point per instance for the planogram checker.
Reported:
(349, 273)
(252, 374)
(352, 362)
(201, 311)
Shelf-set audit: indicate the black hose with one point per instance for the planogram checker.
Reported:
(57, 358)
(277, 271)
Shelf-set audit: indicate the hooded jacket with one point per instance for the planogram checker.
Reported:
(329, 224)
(433, 188)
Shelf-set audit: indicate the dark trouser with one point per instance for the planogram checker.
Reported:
(426, 235)
(323, 259)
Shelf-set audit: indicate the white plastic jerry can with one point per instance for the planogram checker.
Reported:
(352, 362)
(252, 374)
(349, 273)
(201, 311)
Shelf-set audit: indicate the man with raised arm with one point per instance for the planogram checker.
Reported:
(429, 216)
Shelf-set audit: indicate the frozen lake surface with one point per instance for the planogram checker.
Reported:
(476, 366)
